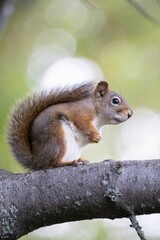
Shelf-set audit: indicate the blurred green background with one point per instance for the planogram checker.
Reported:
(114, 35)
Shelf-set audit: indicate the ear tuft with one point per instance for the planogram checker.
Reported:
(101, 89)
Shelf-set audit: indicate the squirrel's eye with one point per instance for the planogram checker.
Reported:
(115, 101)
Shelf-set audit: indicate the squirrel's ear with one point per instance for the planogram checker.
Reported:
(101, 89)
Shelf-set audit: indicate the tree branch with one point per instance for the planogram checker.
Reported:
(144, 12)
(7, 8)
(110, 189)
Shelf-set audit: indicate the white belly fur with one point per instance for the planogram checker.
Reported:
(73, 148)
(75, 140)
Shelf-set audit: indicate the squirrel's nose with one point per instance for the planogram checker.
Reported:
(130, 113)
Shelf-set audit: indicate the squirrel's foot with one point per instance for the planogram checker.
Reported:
(79, 161)
(82, 161)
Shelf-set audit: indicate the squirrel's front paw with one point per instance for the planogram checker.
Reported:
(95, 138)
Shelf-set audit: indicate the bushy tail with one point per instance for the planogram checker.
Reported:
(26, 111)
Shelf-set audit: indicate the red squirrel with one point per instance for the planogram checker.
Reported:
(49, 129)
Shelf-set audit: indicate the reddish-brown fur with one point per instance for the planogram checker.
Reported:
(38, 126)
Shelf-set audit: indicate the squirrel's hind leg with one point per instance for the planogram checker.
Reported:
(47, 143)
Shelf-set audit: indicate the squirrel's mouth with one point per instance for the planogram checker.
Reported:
(123, 116)
(120, 119)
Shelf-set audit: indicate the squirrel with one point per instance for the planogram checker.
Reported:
(49, 129)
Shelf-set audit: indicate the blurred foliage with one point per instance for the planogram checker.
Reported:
(124, 43)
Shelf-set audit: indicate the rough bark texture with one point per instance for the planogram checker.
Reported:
(110, 189)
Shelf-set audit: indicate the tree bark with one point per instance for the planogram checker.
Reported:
(110, 189)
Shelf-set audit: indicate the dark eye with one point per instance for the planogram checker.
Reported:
(115, 101)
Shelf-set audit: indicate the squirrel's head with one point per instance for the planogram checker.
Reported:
(112, 107)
